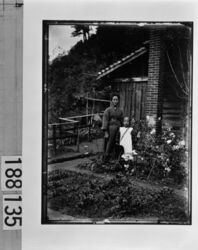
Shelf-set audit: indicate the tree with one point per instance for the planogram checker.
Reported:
(74, 74)
(178, 53)
(82, 30)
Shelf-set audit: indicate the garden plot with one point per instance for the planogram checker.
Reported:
(153, 187)
(94, 197)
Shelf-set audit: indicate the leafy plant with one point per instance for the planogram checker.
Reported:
(116, 197)
(165, 154)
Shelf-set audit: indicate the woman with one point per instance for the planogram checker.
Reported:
(112, 120)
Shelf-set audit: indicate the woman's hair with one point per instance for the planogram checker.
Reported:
(115, 94)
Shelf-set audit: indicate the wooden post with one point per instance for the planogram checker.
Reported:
(89, 132)
(87, 118)
(54, 138)
(60, 133)
(75, 131)
(94, 101)
(87, 109)
(78, 138)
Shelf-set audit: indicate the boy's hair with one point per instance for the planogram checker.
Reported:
(128, 120)
(115, 94)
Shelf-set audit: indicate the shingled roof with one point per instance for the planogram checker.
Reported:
(123, 61)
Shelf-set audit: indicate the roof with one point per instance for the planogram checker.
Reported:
(135, 54)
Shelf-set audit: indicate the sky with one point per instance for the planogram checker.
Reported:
(61, 40)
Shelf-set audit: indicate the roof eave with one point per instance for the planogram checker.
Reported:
(136, 54)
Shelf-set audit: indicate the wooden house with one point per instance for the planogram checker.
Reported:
(154, 80)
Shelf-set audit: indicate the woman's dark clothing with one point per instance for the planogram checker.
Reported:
(112, 120)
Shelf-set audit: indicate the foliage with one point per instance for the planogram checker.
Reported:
(81, 30)
(74, 74)
(97, 165)
(165, 154)
(160, 157)
(116, 197)
(177, 61)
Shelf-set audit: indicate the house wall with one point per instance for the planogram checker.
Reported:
(174, 108)
(132, 97)
(176, 97)
(163, 101)
(11, 37)
(174, 112)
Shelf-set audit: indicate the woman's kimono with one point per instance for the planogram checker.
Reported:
(112, 120)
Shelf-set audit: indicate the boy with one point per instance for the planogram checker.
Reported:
(126, 139)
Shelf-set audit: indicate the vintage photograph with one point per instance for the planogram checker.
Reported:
(117, 121)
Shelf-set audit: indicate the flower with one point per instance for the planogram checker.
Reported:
(126, 166)
(134, 152)
(138, 134)
(169, 141)
(175, 147)
(127, 157)
(172, 134)
(167, 169)
(181, 143)
(150, 121)
(153, 131)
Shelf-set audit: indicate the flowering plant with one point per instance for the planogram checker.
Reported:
(161, 156)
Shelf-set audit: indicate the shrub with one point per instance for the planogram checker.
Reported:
(164, 155)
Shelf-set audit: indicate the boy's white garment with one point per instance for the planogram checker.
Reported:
(126, 140)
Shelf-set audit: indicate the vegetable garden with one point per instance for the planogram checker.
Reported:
(152, 185)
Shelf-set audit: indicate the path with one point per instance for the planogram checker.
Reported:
(94, 146)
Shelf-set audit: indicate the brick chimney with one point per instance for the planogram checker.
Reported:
(155, 77)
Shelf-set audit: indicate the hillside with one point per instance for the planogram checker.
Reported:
(71, 76)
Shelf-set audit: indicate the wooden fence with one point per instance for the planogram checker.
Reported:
(70, 128)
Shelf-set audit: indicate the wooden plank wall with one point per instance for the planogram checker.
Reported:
(11, 37)
(132, 98)
(174, 113)
(132, 101)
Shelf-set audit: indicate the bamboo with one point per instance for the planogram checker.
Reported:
(78, 139)
(79, 116)
(54, 138)
(95, 99)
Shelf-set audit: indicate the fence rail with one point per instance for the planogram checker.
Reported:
(70, 128)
